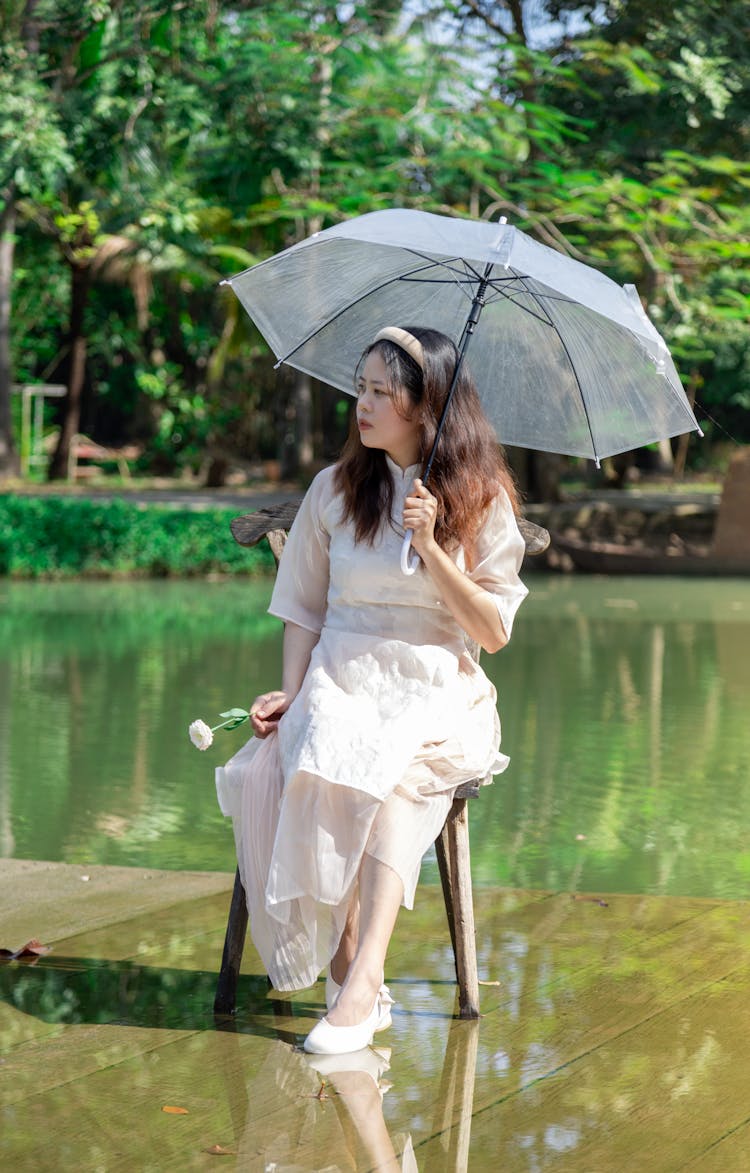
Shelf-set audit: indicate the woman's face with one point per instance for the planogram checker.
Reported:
(380, 424)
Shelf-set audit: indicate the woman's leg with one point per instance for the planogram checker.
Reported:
(380, 894)
(359, 1106)
(347, 949)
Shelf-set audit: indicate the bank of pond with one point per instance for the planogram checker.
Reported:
(63, 537)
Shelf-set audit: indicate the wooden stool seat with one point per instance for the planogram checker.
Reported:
(451, 846)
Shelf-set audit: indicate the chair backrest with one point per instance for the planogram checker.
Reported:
(273, 520)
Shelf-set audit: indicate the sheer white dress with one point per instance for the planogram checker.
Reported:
(393, 715)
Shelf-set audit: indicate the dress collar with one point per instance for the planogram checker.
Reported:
(402, 474)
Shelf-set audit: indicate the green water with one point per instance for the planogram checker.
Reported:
(624, 705)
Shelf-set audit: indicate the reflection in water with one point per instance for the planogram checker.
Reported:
(624, 706)
(328, 1115)
(609, 1033)
(98, 682)
(289, 1110)
(623, 719)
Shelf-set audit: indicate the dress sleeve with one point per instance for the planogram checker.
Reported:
(301, 588)
(498, 554)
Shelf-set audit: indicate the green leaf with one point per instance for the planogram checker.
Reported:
(90, 51)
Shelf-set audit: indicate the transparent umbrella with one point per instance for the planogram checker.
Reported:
(565, 359)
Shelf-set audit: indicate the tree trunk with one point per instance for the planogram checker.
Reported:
(303, 419)
(666, 459)
(79, 289)
(216, 474)
(9, 463)
(297, 445)
(678, 467)
(537, 474)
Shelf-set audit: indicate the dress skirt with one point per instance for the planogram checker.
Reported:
(366, 761)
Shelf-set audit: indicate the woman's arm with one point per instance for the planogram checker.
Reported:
(266, 710)
(470, 605)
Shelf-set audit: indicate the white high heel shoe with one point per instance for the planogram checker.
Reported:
(325, 1039)
(384, 998)
(374, 1062)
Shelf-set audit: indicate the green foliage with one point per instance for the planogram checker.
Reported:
(57, 537)
(32, 161)
(171, 145)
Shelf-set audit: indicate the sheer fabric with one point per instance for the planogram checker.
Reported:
(393, 715)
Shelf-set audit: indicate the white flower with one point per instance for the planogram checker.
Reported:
(200, 734)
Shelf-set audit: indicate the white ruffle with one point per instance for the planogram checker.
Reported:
(352, 770)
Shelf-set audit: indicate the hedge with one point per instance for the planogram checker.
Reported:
(56, 537)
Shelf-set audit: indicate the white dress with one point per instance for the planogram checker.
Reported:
(393, 715)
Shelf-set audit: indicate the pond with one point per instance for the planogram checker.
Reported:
(624, 705)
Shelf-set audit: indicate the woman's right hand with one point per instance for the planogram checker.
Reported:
(266, 710)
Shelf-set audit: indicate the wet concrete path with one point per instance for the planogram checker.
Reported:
(613, 1038)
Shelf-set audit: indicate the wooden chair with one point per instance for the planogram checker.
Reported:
(451, 846)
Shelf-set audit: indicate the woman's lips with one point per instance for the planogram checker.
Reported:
(363, 425)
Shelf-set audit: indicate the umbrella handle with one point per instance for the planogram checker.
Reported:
(408, 567)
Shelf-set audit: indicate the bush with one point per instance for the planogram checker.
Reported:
(55, 537)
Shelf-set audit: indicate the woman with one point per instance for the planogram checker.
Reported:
(382, 712)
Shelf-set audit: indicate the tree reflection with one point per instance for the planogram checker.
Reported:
(619, 725)
(623, 706)
(609, 1034)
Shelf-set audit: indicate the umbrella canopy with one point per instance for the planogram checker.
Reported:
(565, 359)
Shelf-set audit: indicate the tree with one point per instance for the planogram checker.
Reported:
(666, 207)
(30, 164)
(207, 138)
(326, 132)
(103, 69)
(645, 183)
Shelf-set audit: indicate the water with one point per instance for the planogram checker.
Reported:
(623, 701)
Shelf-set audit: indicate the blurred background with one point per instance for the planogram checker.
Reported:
(147, 151)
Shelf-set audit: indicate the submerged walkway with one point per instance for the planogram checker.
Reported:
(613, 1038)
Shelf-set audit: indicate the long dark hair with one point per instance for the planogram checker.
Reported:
(469, 467)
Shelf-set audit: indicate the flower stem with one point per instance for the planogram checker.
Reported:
(232, 721)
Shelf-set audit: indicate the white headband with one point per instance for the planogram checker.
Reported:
(405, 340)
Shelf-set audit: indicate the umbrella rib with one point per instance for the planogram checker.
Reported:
(433, 262)
(435, 280)
(545, 317)
(363, 297)
(542, 316)
(467, 276)
(569, 357)
(512, 295)
(344, 310)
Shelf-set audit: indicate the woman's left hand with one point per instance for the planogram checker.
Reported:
(420, 514)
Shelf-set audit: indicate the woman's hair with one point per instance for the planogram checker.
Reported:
(468, 468)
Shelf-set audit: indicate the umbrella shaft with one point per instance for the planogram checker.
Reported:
(477, 306)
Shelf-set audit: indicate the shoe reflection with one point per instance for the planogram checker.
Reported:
(332, 1117)
(358, 1086)
(375, 1111)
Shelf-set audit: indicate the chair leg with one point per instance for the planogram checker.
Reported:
(442, 851)
(455, 1101)
(465, 946)
(234, 943)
